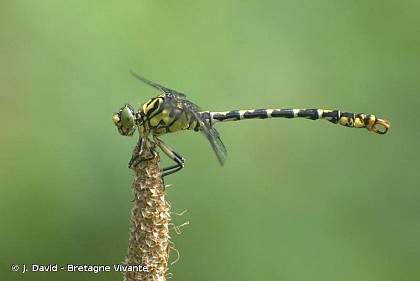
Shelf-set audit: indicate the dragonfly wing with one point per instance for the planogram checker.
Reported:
(159, 87)
(211, 134)
(216, 143)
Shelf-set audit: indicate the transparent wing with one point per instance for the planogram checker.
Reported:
(216, 143)
(191, 107)
(211, 134)
(170, 92)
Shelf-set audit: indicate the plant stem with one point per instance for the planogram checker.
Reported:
(150, 216)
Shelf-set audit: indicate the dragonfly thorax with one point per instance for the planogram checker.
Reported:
(165, 114)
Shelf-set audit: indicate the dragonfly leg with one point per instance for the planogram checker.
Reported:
(171, 154)
(136, 159)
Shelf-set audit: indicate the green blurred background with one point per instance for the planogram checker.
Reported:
(297, 200)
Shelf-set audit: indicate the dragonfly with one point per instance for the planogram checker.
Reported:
(171, 111)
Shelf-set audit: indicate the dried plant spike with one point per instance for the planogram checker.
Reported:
(149, 242)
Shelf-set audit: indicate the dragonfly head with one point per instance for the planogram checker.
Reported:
(125, 120)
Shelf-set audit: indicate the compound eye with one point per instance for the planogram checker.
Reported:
(125, 120)
(127, 116)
